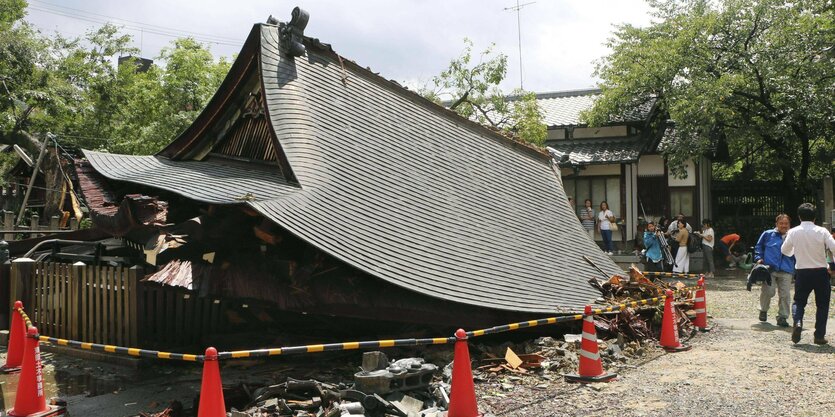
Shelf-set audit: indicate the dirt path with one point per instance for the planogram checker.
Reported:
(742, 368)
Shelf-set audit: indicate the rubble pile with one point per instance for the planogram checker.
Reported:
(547, 358)
(631, 323)
(401, 388)
(619, 289)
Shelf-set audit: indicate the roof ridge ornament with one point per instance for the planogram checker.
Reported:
(292, 33)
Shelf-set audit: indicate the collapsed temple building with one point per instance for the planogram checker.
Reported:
(312, 185)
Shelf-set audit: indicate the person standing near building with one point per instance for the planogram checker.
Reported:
(708, 236)
(682, 256)
(672, 229)
(653, 249)
(768, 252)
(808, 244)
(830, 258)
(587, 218)
(604, 222)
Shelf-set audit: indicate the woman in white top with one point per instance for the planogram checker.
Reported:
(604, 223)
(707, 236)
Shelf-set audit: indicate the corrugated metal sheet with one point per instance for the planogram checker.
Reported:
(213, 181)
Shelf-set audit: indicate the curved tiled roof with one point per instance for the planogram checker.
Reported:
(399, 188)
(411, 193)
(600, 151)
(563, 108)
(211, 181)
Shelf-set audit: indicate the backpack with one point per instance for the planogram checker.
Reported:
(694, 243)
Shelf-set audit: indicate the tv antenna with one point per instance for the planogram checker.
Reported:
(518, 10)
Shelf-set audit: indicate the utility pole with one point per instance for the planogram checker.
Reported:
(518, 10)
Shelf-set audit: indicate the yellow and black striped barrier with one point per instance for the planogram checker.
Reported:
(25, 318)
(669, 274)
(330, 347)
(524, 324)
(121, 350)
(111, 348)
(619, 307)
(377, 344)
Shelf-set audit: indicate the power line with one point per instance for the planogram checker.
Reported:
(157, 32)
(172, 33)
(53, 6)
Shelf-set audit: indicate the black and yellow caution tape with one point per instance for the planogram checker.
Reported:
(143, 353)
(669, 274)
(618, 307)
(331, 347)
(524, 324)
(377, 344)
(25, 318)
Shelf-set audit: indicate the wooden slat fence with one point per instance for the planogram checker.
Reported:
(109, 305)
(176, 317)
(81, 302)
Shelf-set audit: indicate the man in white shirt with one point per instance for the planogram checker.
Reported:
(808, 243)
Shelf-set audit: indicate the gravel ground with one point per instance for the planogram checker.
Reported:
(741, 368)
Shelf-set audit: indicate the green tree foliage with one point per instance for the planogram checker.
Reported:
(472, 90)
(757, 76)
(74, 88)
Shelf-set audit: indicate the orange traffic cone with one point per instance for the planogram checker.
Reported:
(30, 400)
(211, 389)
(669, 327)
(700, 306)
(462, 401)
(17, 341)
(591, 367)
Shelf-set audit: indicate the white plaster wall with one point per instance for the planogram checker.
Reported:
(650, 166)
(599, 132)
(689, 181)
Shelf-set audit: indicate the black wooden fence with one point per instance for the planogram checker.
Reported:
(748, 207)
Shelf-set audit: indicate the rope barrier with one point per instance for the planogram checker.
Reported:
(331, 347)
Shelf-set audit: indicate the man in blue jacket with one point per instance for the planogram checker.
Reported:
(768, 252)
(653, 248)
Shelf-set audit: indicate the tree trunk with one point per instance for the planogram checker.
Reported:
(792, 194)
(50, 169)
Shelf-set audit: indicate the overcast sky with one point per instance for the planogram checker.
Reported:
(406, 40)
